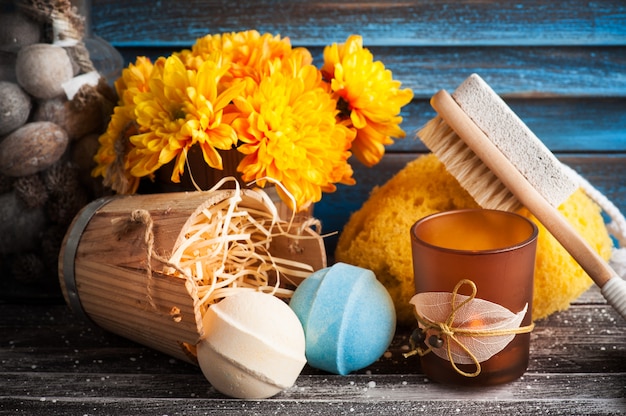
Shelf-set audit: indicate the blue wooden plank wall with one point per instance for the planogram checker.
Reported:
(561, 65)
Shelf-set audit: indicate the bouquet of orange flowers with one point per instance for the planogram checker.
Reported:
(293, 123)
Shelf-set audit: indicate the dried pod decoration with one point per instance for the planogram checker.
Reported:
(31, 191)
(52, 97)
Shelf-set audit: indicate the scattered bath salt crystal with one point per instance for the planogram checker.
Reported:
(33, 366)
(368, 372)
(387, 354)
(405, 348)
(602, 348)
(352, 383)
(371, 384)
(133, 359)
(404, 383)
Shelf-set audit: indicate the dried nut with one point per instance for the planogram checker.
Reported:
(76, 122)
(32, 148)
(20, 228)
(17, 31)
(42, 69)
(14, 107)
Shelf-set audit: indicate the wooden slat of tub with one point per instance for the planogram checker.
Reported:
(115, 298)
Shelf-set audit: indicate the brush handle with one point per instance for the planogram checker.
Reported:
(550, 217)
(614, 291)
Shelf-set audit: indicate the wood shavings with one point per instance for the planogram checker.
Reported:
(225, 248)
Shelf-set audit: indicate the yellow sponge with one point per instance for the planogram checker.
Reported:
(377, 236)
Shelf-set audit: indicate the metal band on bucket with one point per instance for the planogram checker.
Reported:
(71, 247)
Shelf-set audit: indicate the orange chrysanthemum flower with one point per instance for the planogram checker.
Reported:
(134, 80)
(289, 133)
(112, 159)
(254, 92)
(248, 53)
(182, 108)
(371, 97)
(112, 156)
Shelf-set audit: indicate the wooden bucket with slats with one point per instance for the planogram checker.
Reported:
(108, 276)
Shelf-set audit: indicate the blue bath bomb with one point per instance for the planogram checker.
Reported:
(348, 318)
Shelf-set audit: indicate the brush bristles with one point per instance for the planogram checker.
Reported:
(462, 163)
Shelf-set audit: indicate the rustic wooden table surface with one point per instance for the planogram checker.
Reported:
(52, 363)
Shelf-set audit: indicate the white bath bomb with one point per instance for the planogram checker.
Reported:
(253, 347)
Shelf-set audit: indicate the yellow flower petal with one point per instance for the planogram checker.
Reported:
(289, 132)
(371, 97)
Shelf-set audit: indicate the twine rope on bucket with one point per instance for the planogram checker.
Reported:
(143, 217)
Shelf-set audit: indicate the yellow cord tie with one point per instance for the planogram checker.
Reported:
(449, 333)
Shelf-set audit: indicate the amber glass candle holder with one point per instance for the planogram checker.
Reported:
(486, 258)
